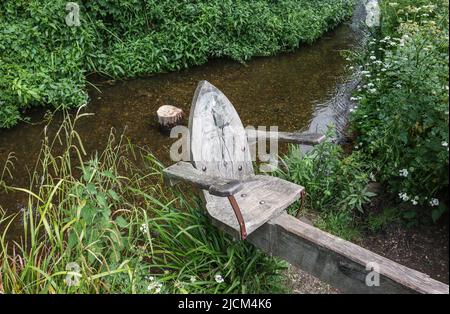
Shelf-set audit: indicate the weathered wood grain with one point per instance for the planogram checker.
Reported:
(219, 145)
(286, 137)
(184, 171)
(261, 199)
(336, 261)
(219, 148)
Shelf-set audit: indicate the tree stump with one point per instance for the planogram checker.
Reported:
(169, 116)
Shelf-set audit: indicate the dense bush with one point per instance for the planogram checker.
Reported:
(401, 121)
(44, 62)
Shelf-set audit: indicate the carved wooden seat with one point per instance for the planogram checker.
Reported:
(236, 199)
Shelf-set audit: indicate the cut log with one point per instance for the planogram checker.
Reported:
(169, 116)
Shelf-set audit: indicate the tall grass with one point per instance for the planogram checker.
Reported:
(105, 224)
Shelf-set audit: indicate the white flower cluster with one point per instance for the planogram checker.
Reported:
(154, 286)
(144, 228)
(415, 200)
(404, 197)
(218, 278)
(404, 173)
(434, 202)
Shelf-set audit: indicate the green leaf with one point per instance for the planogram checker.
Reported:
(113, 195)
(437, 213)
(90, 187)
(101, 199)
(121, 222)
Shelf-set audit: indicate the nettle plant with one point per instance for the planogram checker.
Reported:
(401, 120)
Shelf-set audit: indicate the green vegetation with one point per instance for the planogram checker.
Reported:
(401, 121)
(400, 128)
(126, 232)
(45, 62)
(336, 186)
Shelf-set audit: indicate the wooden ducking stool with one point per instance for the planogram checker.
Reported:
(253, 207)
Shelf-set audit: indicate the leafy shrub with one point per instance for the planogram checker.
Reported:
(401, 121)
(44, 62)
(336, 185)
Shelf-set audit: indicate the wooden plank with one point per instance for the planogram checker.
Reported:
(261, 199)
(336, 261)
(184, 171)
(287, 137)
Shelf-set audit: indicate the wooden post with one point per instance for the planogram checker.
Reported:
(169, 116)
(340, 263)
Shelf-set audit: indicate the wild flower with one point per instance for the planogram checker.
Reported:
(434, 202)
(144, 228)
(404, 173)
(155, 287)
(403, 196)
(192, 279)
(218, 278)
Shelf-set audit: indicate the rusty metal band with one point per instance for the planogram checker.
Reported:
(240, 219)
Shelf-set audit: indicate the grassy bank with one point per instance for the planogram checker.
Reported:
(44, 62)
(107, 224)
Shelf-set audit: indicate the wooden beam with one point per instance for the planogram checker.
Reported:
(340, 263)
(287, 137)
(184, 171)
